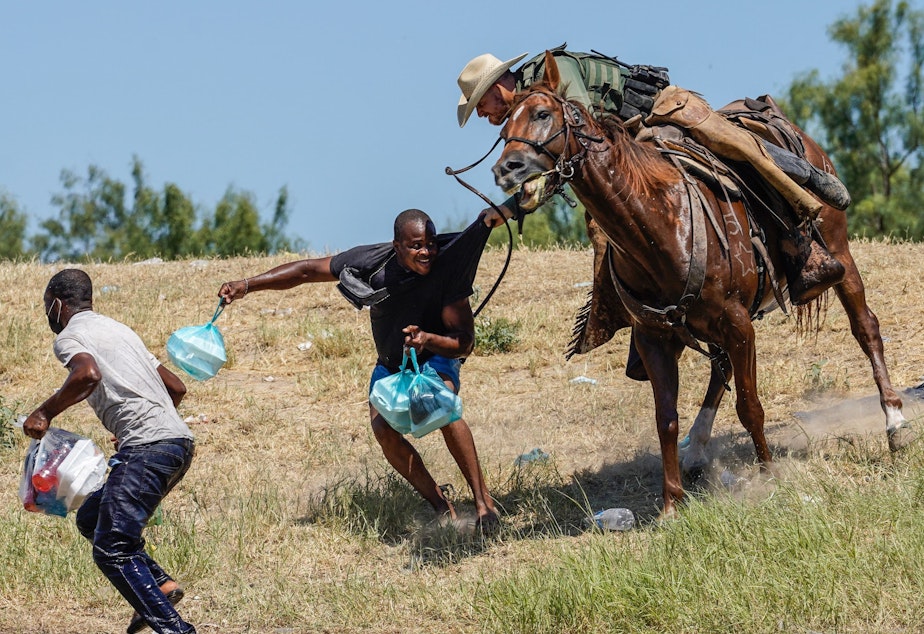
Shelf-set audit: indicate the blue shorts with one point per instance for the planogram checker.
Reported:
(445, 367)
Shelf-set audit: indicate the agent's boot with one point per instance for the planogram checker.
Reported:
(810, 268)
(829, 188)
(824, 185)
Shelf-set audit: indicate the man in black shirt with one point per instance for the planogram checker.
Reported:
(417, 288)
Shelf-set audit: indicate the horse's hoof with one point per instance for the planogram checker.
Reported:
(901, 436)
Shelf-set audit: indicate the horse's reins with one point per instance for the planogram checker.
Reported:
(565, 168)
(455, 174)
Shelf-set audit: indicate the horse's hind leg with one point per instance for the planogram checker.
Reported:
(695, 458)
(865, 328)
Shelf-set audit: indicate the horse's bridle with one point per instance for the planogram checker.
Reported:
(572, 122)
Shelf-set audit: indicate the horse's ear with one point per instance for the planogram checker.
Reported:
(552, 77)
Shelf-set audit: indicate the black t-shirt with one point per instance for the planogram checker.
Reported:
(414, 299)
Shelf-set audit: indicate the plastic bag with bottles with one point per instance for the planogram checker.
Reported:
(59, 472)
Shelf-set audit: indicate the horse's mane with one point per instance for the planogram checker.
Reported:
(645, 170)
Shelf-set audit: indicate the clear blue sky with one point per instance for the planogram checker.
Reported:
(351, 105)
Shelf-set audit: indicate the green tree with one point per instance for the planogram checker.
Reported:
(275, 230)
(160, 224)
(96, 221)
(870, 119)
(12, 229)
(177, 238)
(234, 228)
(91, 213)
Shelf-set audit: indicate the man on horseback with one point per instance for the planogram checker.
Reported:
(642, 98)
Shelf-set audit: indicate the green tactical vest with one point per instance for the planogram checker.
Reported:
(613, 87)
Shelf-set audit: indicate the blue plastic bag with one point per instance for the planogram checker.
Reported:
(431, 404)
(415, 401)
(389, 395)
(199, 350)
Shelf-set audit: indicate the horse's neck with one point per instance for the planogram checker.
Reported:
(642, 220)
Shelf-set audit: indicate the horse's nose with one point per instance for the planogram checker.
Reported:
(506, 166)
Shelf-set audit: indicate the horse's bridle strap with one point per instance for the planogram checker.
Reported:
(673, 317)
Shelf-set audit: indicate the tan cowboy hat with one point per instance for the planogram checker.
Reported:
(476, 78)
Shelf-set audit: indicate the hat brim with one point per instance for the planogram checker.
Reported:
(467, 106)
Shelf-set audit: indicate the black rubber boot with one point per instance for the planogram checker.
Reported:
(824, 185)
(829, 188)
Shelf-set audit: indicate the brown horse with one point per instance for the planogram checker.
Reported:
(682, 262)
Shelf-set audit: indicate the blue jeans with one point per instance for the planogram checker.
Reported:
(113, 517)
(444, 366)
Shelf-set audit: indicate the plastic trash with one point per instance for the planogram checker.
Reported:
(157, 518)
(584, 379)
(730, 480)
(536, 455)
(615, 519)
(199, 350)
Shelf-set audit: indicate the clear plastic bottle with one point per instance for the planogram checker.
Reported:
(46, 478)
(616, 519)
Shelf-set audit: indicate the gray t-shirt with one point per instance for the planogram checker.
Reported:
(131, 400)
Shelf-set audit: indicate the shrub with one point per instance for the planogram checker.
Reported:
(496, 335)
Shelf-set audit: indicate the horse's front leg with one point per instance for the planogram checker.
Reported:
(865, 329)
(695, 458)
(739, 343)
(659, 353)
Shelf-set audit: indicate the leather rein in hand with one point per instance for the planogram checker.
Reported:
(455, 174)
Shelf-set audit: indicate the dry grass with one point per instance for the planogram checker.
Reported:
(289, 519)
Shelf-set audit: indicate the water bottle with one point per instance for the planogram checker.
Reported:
(46, 478)
(615, 519)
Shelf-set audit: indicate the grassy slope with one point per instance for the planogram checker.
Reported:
(290, 520)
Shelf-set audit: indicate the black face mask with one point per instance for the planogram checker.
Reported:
(54, 318)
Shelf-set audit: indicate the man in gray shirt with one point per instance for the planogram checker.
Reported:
(135, 397)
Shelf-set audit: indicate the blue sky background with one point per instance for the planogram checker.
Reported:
(351, 105)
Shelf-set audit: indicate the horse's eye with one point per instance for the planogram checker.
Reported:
(542, 115)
